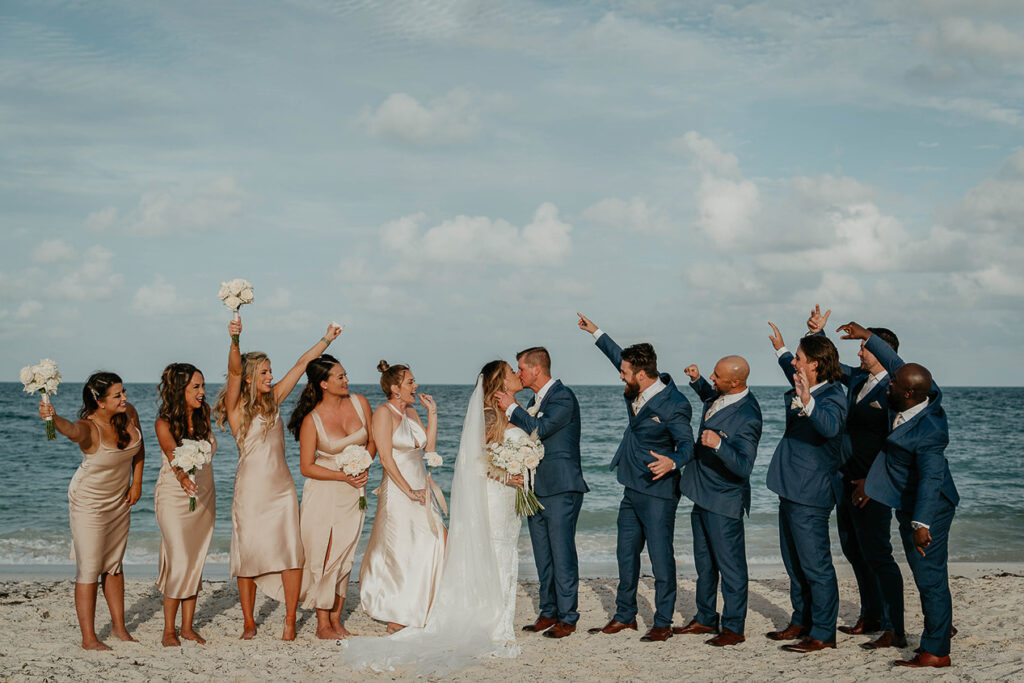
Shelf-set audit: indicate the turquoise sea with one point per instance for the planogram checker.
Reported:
(985, 456)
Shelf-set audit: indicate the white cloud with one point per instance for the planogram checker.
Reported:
(451, 118)
(102, 220)
(159, 297)
(53, 251)
(995, 205)
(636, 215)
(840, 290)
(996, 280)
(480, 240)
(215, 205)
(963, 37)
(93, 277)
(27, 309)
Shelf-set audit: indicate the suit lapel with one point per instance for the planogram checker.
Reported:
(554, 387)
(729, 409)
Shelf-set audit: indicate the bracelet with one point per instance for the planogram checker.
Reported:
(324, 340)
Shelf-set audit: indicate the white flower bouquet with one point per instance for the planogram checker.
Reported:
(234, 294)
(433, 459)
(353, 461)
(44, 378)
(513, 457)
(191, 456)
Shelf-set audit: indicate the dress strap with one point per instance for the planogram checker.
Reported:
(321, 433)
(396, 412)
(359, 409)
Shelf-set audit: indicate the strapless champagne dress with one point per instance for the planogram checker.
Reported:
(265, 538)
(403, 560)
(331, 520)
(185, 534)
(99, 516)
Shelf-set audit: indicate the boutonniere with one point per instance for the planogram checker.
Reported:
(723, 434)
(875, 404)
(532, 410)
(655, 418)
(796, 403)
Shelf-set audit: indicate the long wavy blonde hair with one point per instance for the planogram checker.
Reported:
(251, 401)
(494, 417)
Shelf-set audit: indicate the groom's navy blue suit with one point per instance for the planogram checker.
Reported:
(647, 513)
(804, 472)
(560, 487)
(718, 483)
(912, 476)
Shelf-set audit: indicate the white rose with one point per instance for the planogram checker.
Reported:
(237, 285)
(225, 291)
(52, 385)
(514, 467)
(246, 295)
(48, 366)
(26, 375)
(531, 461)
(232, 302)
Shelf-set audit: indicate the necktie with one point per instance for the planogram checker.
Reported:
(898, 421)
(866, 389)
(715, 407)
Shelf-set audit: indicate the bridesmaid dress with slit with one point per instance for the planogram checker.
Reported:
(402, 564)
(185, 534)
(331, 520)
(265, 538)
(99, 516)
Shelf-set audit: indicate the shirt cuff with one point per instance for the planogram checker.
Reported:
(779, 353)
(809, 407)
(597, 333)
(919, 525)
(511, 409)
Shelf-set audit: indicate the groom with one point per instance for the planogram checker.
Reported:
(554, 415)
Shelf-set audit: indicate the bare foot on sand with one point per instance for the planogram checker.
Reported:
(170, 639)
(94, 645)
(248, 631)
(123, 635)
(189, 634)
(327, 633)
(341, 631)
(289, 630)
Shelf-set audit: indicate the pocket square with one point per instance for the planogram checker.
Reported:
(541, 414)
(655, 418)
(875, 404)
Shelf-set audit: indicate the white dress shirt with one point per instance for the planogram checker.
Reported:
(724, 401)
(536, 400)
(870, 384)
(648, 393)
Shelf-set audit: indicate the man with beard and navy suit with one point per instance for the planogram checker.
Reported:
(865, 528)
(656, 445)
(912, 476)
(717, 480)
(804, 472)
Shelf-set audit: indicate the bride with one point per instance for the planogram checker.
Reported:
(473, 610)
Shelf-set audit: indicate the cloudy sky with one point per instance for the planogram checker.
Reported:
(453, 180)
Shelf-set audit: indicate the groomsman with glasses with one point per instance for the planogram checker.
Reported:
(911, 475)
(656, 444)
(717, 480)
(865, 525)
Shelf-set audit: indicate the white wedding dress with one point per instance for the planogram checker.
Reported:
(474, 608)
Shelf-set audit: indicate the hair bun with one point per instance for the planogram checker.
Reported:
(383, 366)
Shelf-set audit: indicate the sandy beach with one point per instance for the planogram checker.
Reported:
(39, 638)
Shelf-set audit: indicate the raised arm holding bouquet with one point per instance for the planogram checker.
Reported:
(44, 378)
(234, 294)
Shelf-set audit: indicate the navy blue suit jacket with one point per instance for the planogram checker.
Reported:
(912, 474)
(805, 465)
(719, 481)
(662, 426)
(557, 425)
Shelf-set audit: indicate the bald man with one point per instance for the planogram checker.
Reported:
(717, 480)
(911, 476)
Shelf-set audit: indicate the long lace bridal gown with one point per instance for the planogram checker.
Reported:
(473, 610)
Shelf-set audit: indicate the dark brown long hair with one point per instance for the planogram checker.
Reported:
(822, 351)
(173, 382)
(96, 387)
(317, 371)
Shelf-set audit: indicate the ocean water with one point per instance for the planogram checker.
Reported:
(985, 456)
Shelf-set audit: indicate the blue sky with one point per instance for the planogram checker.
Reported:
(453, 180)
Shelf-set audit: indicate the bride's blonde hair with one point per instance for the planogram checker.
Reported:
(495, 421)
(251, 401)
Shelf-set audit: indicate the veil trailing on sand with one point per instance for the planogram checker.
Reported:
(469, 602)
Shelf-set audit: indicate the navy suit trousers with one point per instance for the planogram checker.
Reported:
(931, 575)
(646, 519)
(553, 535)
(719, 549)
(807, 554)
(864, 535)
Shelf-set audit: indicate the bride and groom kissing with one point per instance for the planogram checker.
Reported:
(474, 605)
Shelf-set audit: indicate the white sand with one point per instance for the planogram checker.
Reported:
(39, 639)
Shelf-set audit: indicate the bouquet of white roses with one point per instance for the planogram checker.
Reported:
(191, 456)
(518, 457)
(353, 461)
(234, 294)
(45, 379)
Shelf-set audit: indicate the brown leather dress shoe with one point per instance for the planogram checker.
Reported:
(560, 630)
(808, 645)
(791, 632)
(542, 624)
(861, 627)
(657, 634)
(924, 659)
(726, 638)
(887, 639)
(612, 627)
(693, 628)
